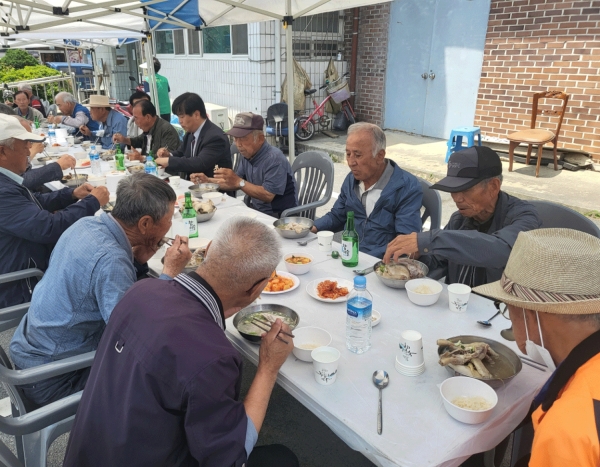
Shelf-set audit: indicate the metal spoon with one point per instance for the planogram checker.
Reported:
(364, 272)
(508, 334)
(487, 322)
(306, 241)
(380, 379)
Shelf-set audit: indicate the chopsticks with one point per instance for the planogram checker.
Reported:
(259, 324)
(533, 364)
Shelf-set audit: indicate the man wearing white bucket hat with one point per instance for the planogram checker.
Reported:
(110, 121)
(551, 285)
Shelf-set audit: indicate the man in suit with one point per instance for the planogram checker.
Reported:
(204, 145)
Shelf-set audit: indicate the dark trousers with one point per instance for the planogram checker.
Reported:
(166, 117)
(55, 388)
(273, 455)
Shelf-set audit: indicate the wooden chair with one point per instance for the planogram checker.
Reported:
(538, 136)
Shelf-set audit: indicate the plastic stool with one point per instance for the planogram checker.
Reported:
(456, 137)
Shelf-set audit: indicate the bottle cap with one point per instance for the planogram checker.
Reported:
(360, 281)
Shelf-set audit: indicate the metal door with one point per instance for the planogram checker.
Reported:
(409, 49)
(446, 38)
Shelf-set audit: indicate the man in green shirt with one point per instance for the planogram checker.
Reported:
(163, 89)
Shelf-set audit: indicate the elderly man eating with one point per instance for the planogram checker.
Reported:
(31, 223)
(74, 300)
(167, 372)
(386, 200)
(264, 173)
(475, 244)
(157, 133)
(109, 121)
(551, 285)
(74, 114)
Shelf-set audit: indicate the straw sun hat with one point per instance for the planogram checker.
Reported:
(99, 101)
(553, 271)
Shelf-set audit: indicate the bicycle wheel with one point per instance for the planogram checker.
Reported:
(324, 121)
(349, 113)
(306, 133)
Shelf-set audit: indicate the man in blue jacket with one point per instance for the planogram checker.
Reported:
(385, 199)
(31, 223)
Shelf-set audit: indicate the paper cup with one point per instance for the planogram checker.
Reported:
(458, 295)
(174, 181)
(70, 140)
(324, 239)
(410, 349)
(325, 364)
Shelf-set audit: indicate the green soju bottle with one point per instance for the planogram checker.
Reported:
(36, 122)
(189, 216)
(350, 243)
(119, 159)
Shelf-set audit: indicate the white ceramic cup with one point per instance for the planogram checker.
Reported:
(324, 239)
(325, 364)
(458, 295)
(174, 181)
(410, 349)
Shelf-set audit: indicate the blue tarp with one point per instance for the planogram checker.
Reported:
(188, 13)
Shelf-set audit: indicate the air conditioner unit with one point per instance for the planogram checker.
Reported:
(218, 115)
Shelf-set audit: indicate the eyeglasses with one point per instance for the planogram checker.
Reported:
(502, 308)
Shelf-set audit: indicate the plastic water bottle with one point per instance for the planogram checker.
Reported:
(151, 166)
(95, 160)
(358, 317)
(51, 134)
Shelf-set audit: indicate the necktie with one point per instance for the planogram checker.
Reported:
(192, 147)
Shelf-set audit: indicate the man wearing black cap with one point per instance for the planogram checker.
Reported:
(264, 173)
(474, 246)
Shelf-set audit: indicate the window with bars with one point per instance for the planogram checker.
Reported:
(226, 40)
(193, 42)
(178, 42)
(319, 36)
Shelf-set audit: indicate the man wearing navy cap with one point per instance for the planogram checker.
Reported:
(474, 246)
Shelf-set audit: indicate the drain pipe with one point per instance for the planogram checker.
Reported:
(354, 56)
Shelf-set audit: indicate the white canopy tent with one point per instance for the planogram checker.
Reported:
(93, 23)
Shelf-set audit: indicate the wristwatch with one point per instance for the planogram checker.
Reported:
(242, 184)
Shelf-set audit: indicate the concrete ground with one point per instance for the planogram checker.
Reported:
(425, 156)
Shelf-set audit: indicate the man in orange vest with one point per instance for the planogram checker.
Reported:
(551, 285)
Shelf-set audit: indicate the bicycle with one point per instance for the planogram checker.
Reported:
(338, 92)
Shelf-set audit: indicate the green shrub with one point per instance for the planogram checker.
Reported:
(32, 72)
(17, 59)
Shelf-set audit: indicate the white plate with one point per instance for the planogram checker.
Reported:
(78, 164)
(251, 215)
(288, 276)
(376, 318)
(311, 289)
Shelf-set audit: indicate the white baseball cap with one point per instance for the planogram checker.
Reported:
(10, 127)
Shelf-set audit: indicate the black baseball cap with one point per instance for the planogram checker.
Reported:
(468, 167)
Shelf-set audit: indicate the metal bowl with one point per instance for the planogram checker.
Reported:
(291, 233)
(137, 168)
(266, 307)
(395, 283)
(510, 363)
(186, 268)
(75, 181)
(199, 190)
(205, 217)
(47, 159)
(108, 207)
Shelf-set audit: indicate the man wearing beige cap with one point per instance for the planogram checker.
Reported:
(110, 122)
(31, 223)
(551, 285)
(264, 173)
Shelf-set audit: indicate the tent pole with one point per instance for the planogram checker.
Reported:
(151, 76)
(289, 71)
(277, 61)
(70, 72)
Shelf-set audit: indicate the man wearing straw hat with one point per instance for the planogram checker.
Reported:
(551, 285)
(110, 121)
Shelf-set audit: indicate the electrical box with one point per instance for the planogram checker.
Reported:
(218, 115)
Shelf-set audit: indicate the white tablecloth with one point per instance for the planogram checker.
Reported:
(417, 431)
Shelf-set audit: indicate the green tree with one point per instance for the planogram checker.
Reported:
(17, 59)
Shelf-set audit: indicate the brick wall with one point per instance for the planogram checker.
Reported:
(534, 45)
(371, 60)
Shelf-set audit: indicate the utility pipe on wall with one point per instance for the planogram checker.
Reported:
(354, 57)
